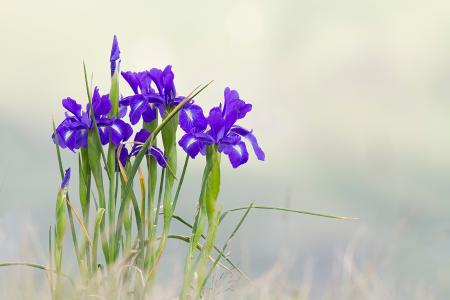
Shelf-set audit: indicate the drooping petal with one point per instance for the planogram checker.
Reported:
(103, 121)
(159, 156)
(249, 135)
(70, 137)
(149, 114)
(66, 178)
(122, 109)
(237, 154)
(191, 144)
(140, 138)
(60, 131)
(138, 106)
(123, 156)
(115, 56)
(82, 138)
(229, 139)
(192, 119)
(72, 106)
(119, 131)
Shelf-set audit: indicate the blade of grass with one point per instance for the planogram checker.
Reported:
(288, 210)
(83, 226)
(36, 266)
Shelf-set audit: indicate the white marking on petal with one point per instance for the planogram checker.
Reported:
(189, 114)
(68, 134)
(190, 142)
(238, 149)
(116, 128)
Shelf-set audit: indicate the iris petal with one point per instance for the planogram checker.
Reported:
(237, 154)
(72, 106)
(249, 135)
(190, 144)
(192, 119)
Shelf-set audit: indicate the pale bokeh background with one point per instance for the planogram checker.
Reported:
(351, 104)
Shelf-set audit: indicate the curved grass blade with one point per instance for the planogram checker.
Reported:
(37, 266)
(288, 210)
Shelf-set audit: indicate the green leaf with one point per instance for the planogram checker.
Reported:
(98, 221)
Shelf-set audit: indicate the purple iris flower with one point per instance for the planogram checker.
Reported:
(115, 56)
(155, 90)
(73, 130)
(66, 178)
(222, 131)
(140, 139)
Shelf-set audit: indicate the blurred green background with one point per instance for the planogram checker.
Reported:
(351, 104)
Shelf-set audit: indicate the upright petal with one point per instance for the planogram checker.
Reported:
(249, 135)
(101, 104)
(216, 123)
(234, 108)
(131, 78)
(192, 119)
(156, 76)
(72, 106)
(237, 154)
(167, 81)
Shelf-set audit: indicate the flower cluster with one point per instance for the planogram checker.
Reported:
(220, 129)
(73, 130)
(154, 91)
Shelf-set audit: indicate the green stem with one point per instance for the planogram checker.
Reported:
(112, 201)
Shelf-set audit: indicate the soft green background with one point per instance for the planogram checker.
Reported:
(351, 104)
